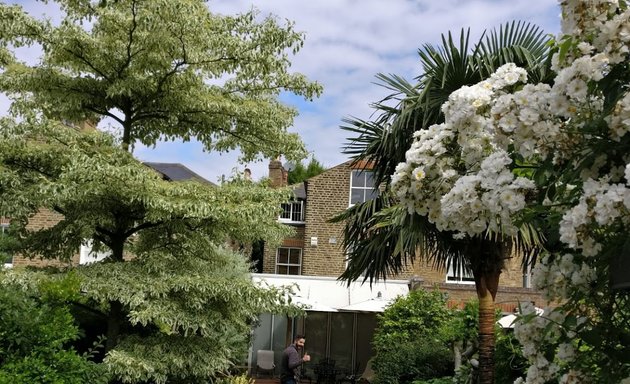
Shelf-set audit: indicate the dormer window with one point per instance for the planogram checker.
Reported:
(362, 187)
(292, 212)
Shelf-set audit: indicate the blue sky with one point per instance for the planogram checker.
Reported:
(347, 43)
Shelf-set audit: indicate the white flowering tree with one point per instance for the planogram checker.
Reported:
(458, 176)
(585, 174)
(383, 235)
(555, 156)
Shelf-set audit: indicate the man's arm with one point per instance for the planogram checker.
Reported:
(294, 358)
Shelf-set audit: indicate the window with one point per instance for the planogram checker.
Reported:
(461, 277)
(6, 257)
(289, 261)
(362, 187)
(88, 256)
(292, 211)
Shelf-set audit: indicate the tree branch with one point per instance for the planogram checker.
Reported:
(141, 227)
(103, 113)
(134, 25)
(104, 231)
(88, 308)
(85, 60)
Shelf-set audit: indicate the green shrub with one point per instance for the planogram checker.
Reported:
(412, 339)
(509, 363)
(423, 358)
(441, 380)
(34, 342)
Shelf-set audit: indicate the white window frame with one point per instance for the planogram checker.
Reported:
(288, 264)
(527, 276)
(292, 205)
(464, 277)
(88, 256)
(3, 228)
(362, 186)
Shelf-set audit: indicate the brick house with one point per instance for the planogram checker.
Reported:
(315, 249)
(313, 259)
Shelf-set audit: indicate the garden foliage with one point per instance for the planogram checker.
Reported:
(411, 340)
(552, 157)
(176, 300)
(37, 330)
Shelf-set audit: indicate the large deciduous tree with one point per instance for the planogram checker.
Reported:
(383, 235)
(177, 302)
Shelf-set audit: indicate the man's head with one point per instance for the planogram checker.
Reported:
(299, 341)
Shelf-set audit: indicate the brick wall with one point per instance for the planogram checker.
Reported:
(508, 298)
(328, 194)
(43, 219)
(510, 293)
(269, 254)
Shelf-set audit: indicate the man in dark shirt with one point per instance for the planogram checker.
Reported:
(292, 360)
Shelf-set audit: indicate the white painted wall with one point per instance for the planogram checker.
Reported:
(330, 292)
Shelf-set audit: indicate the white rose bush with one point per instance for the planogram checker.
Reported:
(460, 162)
(555, 156)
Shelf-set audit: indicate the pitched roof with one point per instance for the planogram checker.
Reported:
(298, 190)
(176, 172)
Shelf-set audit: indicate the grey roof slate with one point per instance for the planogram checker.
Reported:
(299, 191)
(176, 172)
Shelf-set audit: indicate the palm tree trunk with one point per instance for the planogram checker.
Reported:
(487, 286)
(487, 259)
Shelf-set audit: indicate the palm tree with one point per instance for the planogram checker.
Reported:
(380, 236)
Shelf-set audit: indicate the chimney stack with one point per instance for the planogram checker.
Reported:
(277, 174)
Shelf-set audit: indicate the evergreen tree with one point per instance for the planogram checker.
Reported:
(301, 173)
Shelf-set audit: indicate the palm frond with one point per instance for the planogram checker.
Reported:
(521, 43)
(380, 140)
(380, 236)
(446, 69)
(381, 239)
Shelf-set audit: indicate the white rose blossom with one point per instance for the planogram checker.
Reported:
(459, 174)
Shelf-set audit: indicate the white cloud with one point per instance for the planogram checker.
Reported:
(347, 43)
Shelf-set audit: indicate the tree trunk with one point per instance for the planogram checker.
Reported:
(116, 315)
(487, 261)
(114, 323)
(126, 138)
(486, 292)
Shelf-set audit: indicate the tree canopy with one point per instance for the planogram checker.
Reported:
(177, 301)
(551, 156)
(300, 172)
(161, 70)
